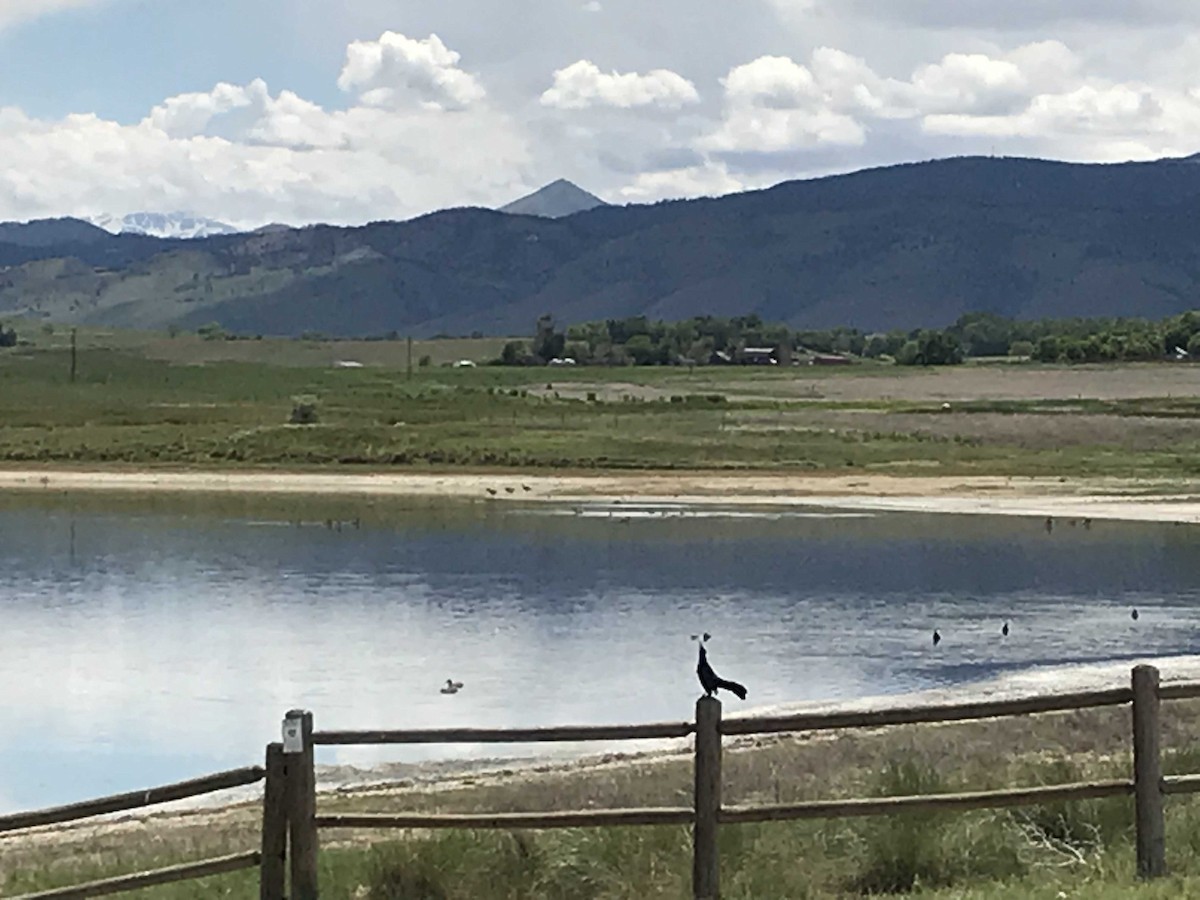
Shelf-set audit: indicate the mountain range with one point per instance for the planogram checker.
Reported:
(555, 200)
(896, 247)
(180, 225)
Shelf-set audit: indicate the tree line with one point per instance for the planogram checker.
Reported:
(702, 340)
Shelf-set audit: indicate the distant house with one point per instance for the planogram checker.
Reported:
(829, 359)
(347, 364)
(719, 358)
(757, 356)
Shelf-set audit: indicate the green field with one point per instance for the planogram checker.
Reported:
(155, 400)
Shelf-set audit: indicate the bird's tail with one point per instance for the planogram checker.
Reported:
(733, 687)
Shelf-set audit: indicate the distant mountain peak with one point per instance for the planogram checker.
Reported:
(557, 199)
(181, 225)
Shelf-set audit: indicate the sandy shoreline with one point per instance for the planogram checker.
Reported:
(1163, 501)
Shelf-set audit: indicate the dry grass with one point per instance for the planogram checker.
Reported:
(891, 384)
(1027, 431)
(977, 755)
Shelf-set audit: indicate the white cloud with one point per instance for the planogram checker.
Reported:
(1039, 93)
(772, 81)
(247, 113)
(1134, 117)
(394, 68)
(774, 104)
(481, 116)
(245, 155)
(706, 180)
(582, 85)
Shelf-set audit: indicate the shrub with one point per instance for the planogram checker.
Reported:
(902, 852)
(304, 411)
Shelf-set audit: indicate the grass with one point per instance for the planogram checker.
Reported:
(131, 405)
(1080, 849)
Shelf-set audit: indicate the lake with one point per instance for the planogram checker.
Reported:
(146, 640)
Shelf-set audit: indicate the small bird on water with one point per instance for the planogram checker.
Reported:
(1134, 615)
(1004, 630)
(452, 686)
(937, 638)
(710, 681)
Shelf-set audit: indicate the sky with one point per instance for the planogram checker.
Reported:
(298, 111)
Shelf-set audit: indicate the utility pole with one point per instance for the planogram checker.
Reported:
(410, 356)
(72, 356)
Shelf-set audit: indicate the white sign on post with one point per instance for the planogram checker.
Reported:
(293, 735)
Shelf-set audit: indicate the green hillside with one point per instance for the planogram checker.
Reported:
(899, 247)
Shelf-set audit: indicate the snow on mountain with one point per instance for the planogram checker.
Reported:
(180, 225)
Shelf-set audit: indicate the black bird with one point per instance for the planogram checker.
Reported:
(937, 638)
(1004, 630)
(711, 682)
(1134, 615)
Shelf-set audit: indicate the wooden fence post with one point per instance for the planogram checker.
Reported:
(1147, 775)
(272, 870)
(301, 803)
(705, 859)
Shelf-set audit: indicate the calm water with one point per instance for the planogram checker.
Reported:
(149, 641)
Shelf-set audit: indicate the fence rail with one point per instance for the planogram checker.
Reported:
(291, 822)
(507, 735)
(169, 875)
(180, 790)
(681, 815)
(882, 806)
(933, 713)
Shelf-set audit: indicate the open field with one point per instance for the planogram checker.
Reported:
(147, 401)
(1082, 849)
(190, 349)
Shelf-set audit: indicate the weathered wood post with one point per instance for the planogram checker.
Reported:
(705, 860)
(1147, 775)
(301, 803)
(272, 870)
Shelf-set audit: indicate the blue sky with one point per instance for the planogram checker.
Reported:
(121, 58)
(318, 110)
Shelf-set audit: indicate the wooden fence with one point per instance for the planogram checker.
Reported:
(138, 800)
(291, 819)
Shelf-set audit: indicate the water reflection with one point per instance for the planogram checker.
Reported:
(151, 640)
